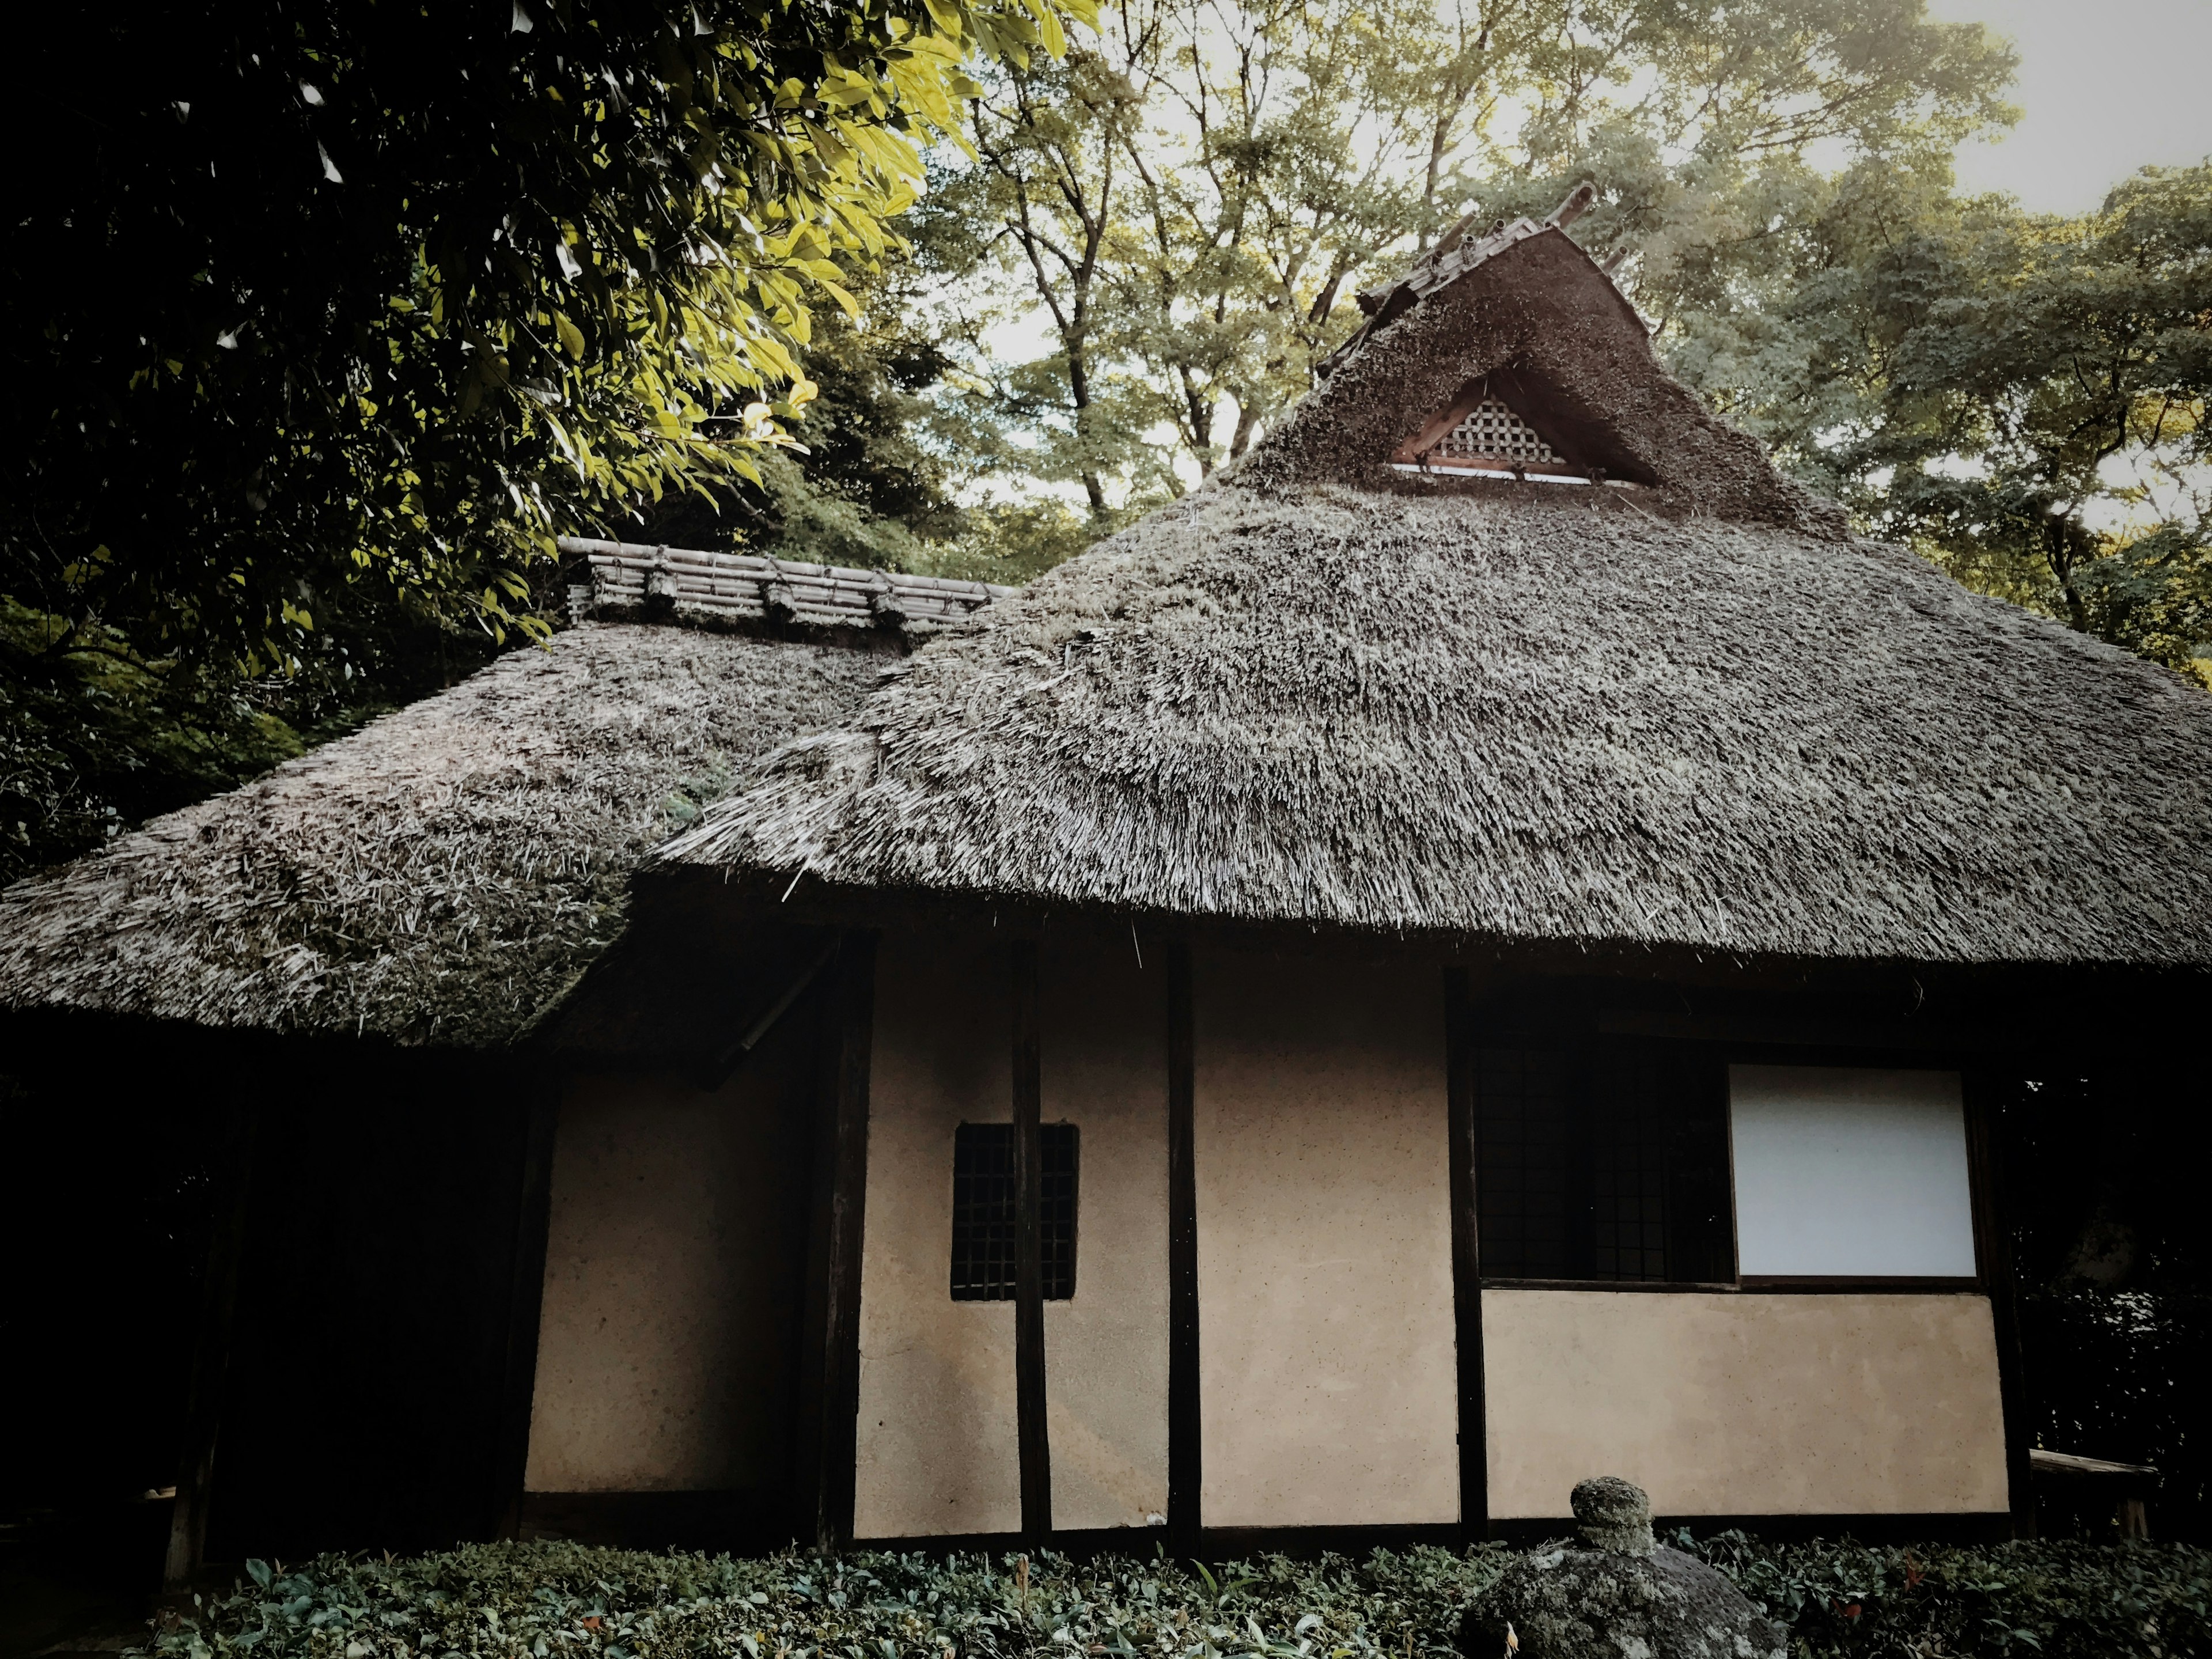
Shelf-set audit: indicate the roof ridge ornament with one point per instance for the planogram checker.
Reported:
(660, 583)
(1580, 200)
(1456, 252)
(742, 589)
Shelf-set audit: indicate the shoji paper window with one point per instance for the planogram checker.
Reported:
(1849, 1172)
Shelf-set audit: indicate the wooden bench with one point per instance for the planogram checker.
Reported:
(2124, 1486)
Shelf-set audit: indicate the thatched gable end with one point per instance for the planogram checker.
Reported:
(1519, 712)
(1524, 318)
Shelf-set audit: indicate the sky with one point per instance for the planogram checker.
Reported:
(2105, 87)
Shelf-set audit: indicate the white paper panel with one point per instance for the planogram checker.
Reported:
(1851, 1170)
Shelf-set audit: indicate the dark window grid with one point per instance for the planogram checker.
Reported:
(1609, 1166)
(984, 1222)
(1523, 1174)
(1628, 1175)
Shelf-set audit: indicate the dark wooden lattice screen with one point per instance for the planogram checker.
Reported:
(1610, 1165)
(1490, 431)
(983, 1211)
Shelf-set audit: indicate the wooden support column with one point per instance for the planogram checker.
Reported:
(1460, 1040)
(829, 1402)
(1184, 1469)
(1029, 1247)
(188, 1521)
(1993, 1256)
(540, 1116)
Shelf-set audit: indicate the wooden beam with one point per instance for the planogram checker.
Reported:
(715, 1071)
(827, 1416)
(188, 1521)
(1184, 1424)
(540, 1117)
(1460, 1040)
(1028, 1246)
(1993, 1257)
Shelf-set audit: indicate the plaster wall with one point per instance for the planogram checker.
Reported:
(1745, 1404)
(1103, 1040)
(938, 1438)
(938, 1449)
(1327, 1375)
(672, 1276)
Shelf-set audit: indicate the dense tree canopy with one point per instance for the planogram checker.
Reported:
(318, 289)
(1191, 196)
(2020, 395)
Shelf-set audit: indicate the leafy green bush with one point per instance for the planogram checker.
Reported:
(570, 1601)
(2047, 1598)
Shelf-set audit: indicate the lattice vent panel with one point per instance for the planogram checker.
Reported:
(1493, 432)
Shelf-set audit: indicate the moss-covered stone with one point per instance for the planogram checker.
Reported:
(1621, 1596)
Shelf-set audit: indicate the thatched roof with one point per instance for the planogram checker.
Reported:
(442, 875)
(1692, 713)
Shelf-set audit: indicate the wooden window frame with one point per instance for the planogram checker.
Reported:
(1580, 1047)
(981, 1288)
(1719, 1056)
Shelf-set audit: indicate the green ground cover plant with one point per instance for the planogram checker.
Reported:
(557, 1601)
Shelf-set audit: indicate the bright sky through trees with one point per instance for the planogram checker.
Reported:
(2082, 65)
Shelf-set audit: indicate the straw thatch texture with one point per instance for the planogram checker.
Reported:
(1523, 712)
(1533, 319)
(443, 873)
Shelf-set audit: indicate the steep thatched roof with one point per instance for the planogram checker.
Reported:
(1695, 712)
(443, 874)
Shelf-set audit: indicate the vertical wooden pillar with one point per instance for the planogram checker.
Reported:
(1460, 1040)
(533, 1220)
(188, 1521)
(1184, 1469)
(1028, 1246)
(829, 1402)
(1993, 1254)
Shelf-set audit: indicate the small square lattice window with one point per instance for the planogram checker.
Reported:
(983, 1211)
(1493, 432)
(1609, 1163)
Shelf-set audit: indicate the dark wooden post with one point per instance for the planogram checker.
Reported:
(1460, 1038)
(1993, 1255)
(533, 1219)
(1029, 1247)
(1184, 1469)
(188, 1521)
(828, 1415)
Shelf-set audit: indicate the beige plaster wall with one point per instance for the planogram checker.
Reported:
(1328, 1380)
(937, 1445)
(938, 1450)
(1103, 1041)
(1747, 1404)
(672, 1269)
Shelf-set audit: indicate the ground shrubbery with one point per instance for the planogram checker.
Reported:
(569, 1601)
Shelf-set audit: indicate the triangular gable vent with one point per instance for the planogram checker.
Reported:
(1491, 431)
(1483, 431)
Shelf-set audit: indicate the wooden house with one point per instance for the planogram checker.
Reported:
(1488, 943)
(1483, 946)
